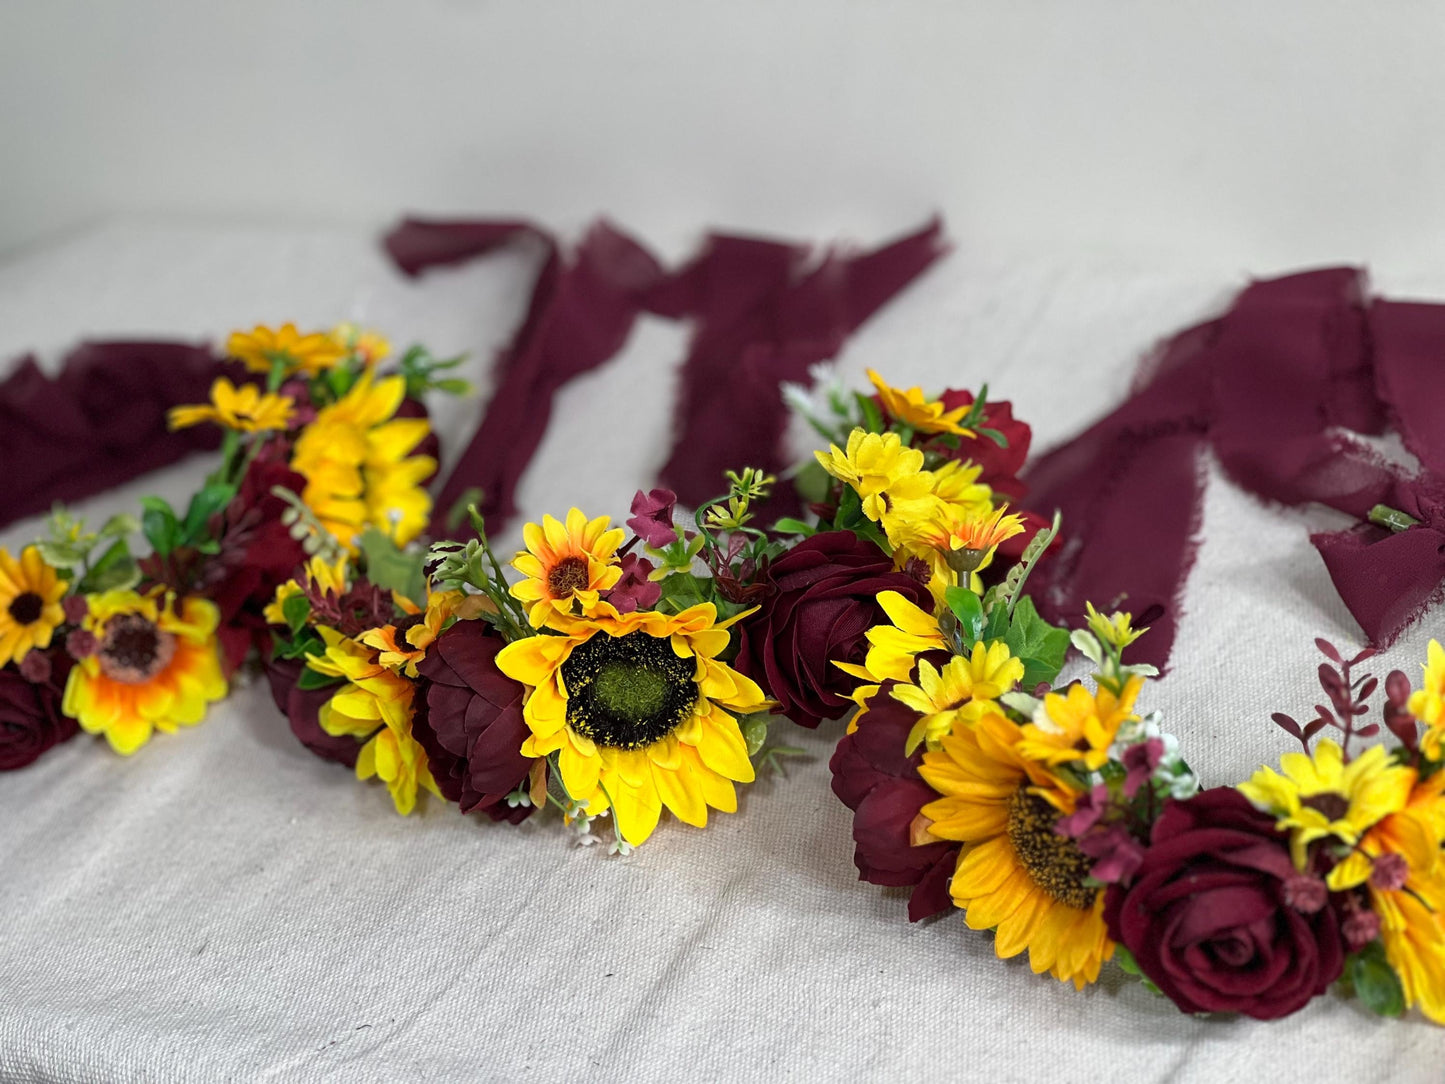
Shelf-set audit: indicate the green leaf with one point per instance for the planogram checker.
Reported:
(755, 731)
(62, 555)
(160, 526)
(211, 499)
(851, 518)
(119, 525)
(788, 525)
(993, 435)
(389, 567)
(115, 571)
(996, 627)
(311, 679)
(1125, 959)
(1041, 647)
(812, 482)
(683, 589)
(1375, 981)
(968, 608)
(872, 416)
(296, 609)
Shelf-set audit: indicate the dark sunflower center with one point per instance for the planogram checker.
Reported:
(133, 650)
(25, 608)
(1333, 806)
(627, 691)
(568, 575)
(1053, 861)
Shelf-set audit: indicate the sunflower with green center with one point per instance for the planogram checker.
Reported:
(636, 708)
(1016, 874)
(1320, 796)
(959, 694)
(30, 610)
(566, 565)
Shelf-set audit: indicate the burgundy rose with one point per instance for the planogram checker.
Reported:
(301, 708)
(1215, 918)
(30, 718)
(822, 599)
(1001, 466)
(882, 786)
(468, 718)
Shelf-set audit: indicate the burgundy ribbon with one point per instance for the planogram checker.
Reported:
(764, 312)
(1280, 388)
(99, 423)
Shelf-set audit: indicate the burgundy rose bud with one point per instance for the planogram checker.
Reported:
(80, 644)
(880, 783)
(30, 719)
(468, 718)
(1305, 894)
(822, 600)
(1360, 928)
(35, 667)
(652, 517)
(76, 608)
(1389, 872)
(1207, 916)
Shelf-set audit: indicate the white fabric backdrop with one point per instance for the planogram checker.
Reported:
(225, 906)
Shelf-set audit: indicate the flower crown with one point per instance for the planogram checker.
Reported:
(619, 673)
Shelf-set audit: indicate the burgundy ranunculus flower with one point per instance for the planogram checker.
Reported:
(822, 599)
(30, 718)
(882, 786)
(468, 718)
(301, 708)
(1208, 916)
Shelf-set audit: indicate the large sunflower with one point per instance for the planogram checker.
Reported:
(30, 610)
(359, 467)
(1015, 873)
(154, 666)
(633, 706)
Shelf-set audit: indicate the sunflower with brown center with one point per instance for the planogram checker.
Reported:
(1016, 874)
(153, 665)
(636, 707)
(566, 564)
(30, 610)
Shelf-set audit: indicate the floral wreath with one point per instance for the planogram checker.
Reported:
(617, 673)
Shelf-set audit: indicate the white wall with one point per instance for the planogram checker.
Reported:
(1258, 135)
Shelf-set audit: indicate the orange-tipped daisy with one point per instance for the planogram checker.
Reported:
(401, 646)
(246, 408)
(956, 532)
(30, 610)
(636, 707)
(915, 409)
(1015, 874)
(566, 565)
(261, 349)
(155, 666)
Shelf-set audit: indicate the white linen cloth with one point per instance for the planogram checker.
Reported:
(225, 906)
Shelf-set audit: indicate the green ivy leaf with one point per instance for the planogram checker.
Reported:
(296, 609)
(968, 608)
(1041, 647)
(389, 567)
(1375, 981)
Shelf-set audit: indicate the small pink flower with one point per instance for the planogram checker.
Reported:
(652, 517)
(1087, 812)
(1388, 872)
(1360, 928)
(634, 591)
(81, 644)
(1305, 894)
(1119, 854)
(1140, 760)
(35, 667)
(76, 608)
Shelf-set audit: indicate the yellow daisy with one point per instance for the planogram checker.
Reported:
(359, 467)
(155, 667)
(246, 408)
(960, 693)
(375, 706)
(566, 565)
(1427, 703)
(634, 707)
(261, 348)
(367, 345)
(1077, 726)
(1322, 796)
(913, 408)
(880, 468)
(893, 648)
(1015, 874)
(30, 610)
